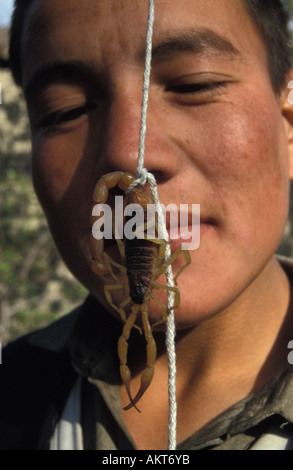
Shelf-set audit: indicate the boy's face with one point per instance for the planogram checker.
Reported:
(215, 131)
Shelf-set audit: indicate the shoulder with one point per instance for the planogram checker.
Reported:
(36, 377)
(39, 352)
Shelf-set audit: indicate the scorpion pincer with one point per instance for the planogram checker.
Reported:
(143, 261)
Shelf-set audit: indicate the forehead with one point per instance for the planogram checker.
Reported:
(109, 30)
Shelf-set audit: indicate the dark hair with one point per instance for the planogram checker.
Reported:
(272, 19)
(270, 16)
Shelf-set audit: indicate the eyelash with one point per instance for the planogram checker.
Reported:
(192, 88)
(60, 117)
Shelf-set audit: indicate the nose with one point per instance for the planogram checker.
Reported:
(121, 137)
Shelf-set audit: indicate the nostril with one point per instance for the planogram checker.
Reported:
(160, 176)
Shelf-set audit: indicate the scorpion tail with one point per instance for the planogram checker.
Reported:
(146, 379)
(126, 377)
(148, 373)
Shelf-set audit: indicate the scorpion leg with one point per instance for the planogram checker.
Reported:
(97, 249)
(175, 291)
(123, 349)
(119, 309)
(109, 262)
(171, 260)
(122, 311)
(148, 373)
(101, 262)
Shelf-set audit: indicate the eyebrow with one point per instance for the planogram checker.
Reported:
(198, 42)
(58, 71)
(202, 41)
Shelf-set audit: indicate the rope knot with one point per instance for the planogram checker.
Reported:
(141, 180)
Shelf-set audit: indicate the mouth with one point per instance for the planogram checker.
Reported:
(184, 228)
(187, 230)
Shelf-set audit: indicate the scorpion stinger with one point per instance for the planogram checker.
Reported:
(143, 260)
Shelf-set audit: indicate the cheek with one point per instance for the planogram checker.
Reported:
(243, 161)
(248, 152)
(63, 177)
(54, 163)
(63, 170)
(259, 180)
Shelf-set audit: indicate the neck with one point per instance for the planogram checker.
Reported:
(249, 339)
(223, 359)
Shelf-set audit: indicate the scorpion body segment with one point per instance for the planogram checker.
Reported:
(139, 255)
(143, 261)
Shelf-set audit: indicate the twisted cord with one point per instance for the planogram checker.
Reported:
(143, 177)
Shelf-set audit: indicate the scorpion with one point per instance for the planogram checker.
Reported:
(142, 261)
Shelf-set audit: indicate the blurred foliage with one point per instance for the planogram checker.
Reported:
(35, 286)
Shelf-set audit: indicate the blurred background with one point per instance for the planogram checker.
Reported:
(35, 286)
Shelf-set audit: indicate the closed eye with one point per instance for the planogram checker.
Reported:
(191, 88)
(62, 117)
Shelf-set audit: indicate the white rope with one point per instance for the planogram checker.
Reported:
(143, 177)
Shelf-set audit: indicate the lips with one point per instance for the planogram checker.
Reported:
(188, 235)
(184, 225)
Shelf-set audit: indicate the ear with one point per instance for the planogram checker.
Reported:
(287, 112)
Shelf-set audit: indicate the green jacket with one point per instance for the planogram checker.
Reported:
(39, 371)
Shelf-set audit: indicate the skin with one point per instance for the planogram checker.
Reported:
(217, 135)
